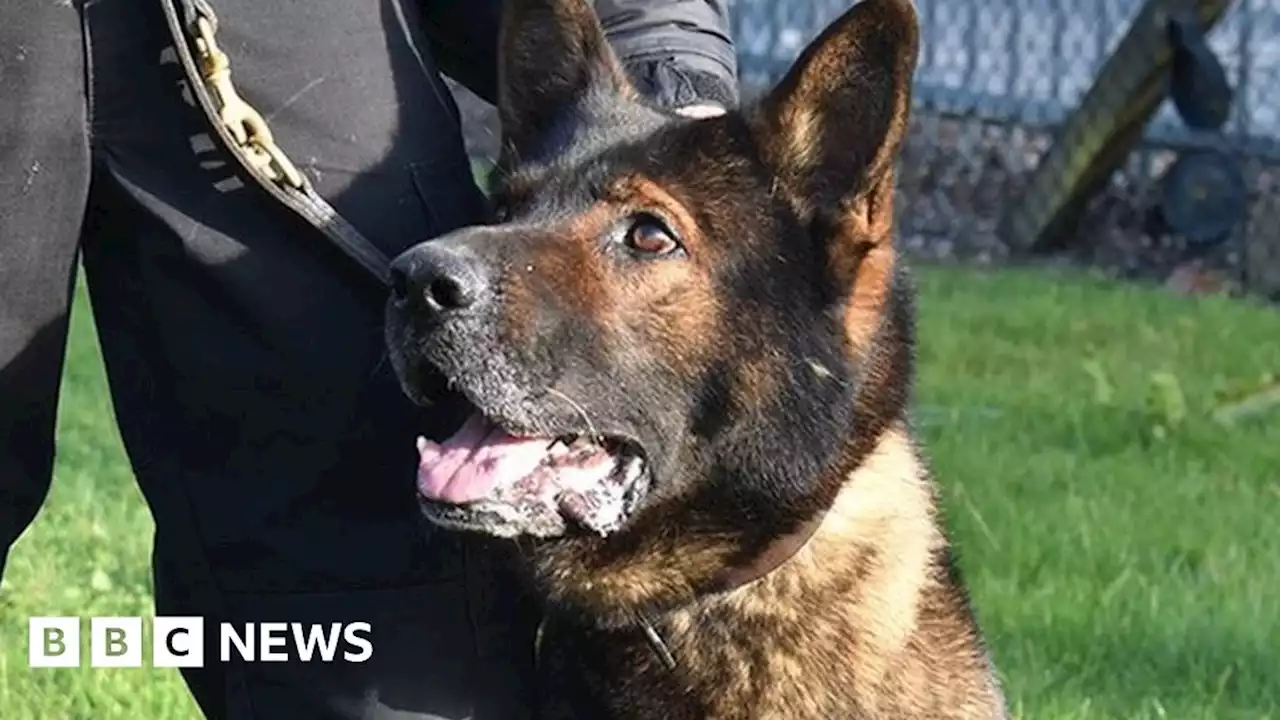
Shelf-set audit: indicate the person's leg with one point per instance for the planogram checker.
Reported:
(247, 365)
(44, 173)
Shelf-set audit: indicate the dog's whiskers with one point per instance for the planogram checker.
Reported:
(591, 428)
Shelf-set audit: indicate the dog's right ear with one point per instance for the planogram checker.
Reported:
(831, 127)
(554, 62)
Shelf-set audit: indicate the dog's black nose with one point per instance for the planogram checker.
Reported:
(437, 279)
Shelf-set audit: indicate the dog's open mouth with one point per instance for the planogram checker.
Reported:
(485, 479)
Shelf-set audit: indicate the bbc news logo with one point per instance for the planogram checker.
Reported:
(179, 642)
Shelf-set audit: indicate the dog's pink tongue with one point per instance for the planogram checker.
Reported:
(477, 459)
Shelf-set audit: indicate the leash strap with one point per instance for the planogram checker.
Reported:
(244, 132)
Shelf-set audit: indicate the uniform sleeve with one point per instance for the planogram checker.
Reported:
(680, 52)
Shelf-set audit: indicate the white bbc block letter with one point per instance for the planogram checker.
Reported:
(53, 642)
(177, 642)
(115, 642)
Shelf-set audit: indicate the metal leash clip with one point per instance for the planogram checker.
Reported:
(246, 124)
(244, 133)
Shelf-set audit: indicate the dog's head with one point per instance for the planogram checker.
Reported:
(675, 327)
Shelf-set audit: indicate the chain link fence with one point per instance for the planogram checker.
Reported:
(996, 78)
(995, 81)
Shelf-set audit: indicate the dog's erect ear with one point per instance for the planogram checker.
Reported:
(832, 126)
(554, 60)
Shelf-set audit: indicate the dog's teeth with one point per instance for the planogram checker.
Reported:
(422, 444)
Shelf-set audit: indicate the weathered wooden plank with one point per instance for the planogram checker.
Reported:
(1097, 137)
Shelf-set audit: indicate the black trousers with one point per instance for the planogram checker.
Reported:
(244, 353)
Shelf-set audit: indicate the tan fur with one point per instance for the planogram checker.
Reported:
(564, 259)
(848, 605)
(662, 306)
(870, 293)
(757, 378)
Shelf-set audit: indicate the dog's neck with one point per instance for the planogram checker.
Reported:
(772, 557)
(864, 560)
(879, 409)
(837, 618)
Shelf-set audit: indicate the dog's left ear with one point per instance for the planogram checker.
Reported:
(832, 126)
(554, 62)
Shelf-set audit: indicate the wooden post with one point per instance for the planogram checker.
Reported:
(1109, 121)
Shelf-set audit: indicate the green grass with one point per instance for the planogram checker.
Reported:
(1121, 545)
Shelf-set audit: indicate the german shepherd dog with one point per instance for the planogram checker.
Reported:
(689, 348)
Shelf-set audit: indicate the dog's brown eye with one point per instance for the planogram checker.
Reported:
(649, 236)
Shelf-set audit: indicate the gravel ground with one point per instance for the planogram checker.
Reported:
(956, 176)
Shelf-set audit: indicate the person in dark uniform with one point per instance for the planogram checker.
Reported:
(244, 350)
